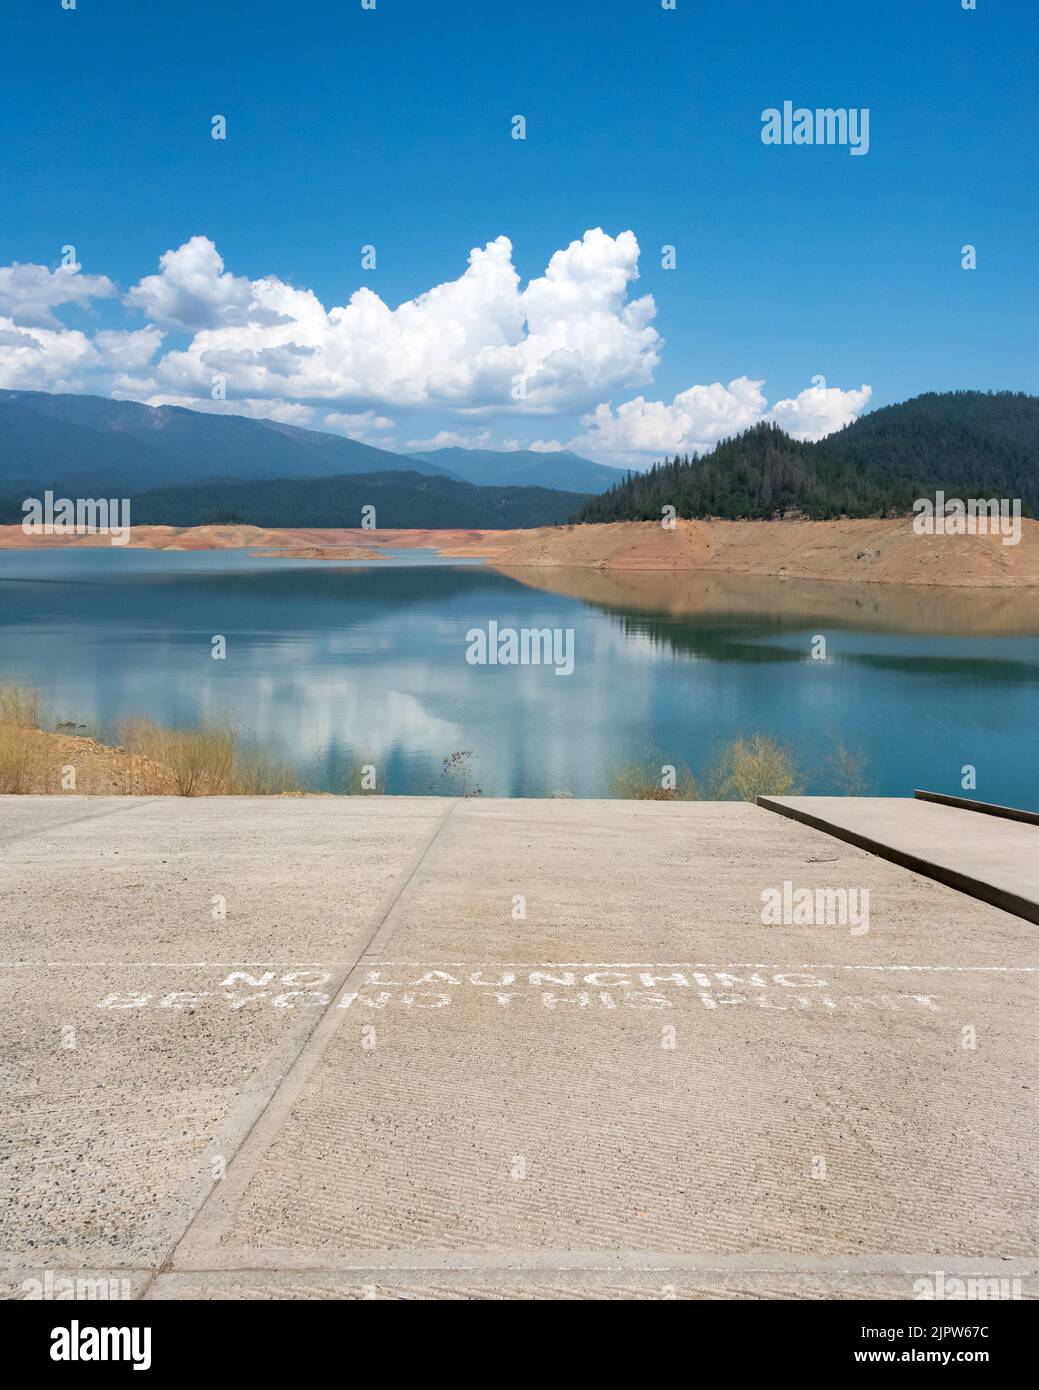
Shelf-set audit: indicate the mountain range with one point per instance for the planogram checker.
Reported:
(91, 441)
(963, 443)
(97, 444)
(524, 468)
(185, 467)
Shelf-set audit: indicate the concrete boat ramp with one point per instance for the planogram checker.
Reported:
(423, 1048)
(990, 852)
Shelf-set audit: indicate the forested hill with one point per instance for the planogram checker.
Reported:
(401, 499)
(966, 443)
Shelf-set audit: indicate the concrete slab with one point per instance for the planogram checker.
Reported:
(991, 857)
(505, 1049)
(122, 1095)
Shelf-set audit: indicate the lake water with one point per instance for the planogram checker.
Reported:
(333, 665)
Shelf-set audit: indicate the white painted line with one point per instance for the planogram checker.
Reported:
(499, 965)
(679, 965)
(165, 964)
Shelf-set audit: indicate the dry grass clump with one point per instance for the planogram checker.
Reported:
(19, 706)
(196, 761)
(22, 759)
(151, 761)
(200, 762)
(751, 766)
(256, 773)
(652, 779)
(155, 760)
(23, 764)
(847, 766)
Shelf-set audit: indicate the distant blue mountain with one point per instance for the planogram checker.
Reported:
(524, 468)
(187, 467)
(100, 443)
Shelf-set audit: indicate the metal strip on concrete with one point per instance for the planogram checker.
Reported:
(990, 858)
(985, 808)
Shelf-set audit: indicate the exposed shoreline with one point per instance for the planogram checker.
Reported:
(866, 551)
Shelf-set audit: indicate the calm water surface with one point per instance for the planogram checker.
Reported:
(330, 665)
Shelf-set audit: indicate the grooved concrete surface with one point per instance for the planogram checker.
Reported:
(995, 850)
(411, 1047)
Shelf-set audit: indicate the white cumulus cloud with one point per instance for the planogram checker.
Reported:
(193, 291)
(471, 352)
(358, 426)
(66, 360)
(452, 439)
(699, 418)
(480, 343)
(30, 293)
(819, 411)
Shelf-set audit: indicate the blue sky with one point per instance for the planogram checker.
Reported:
(392, 127)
